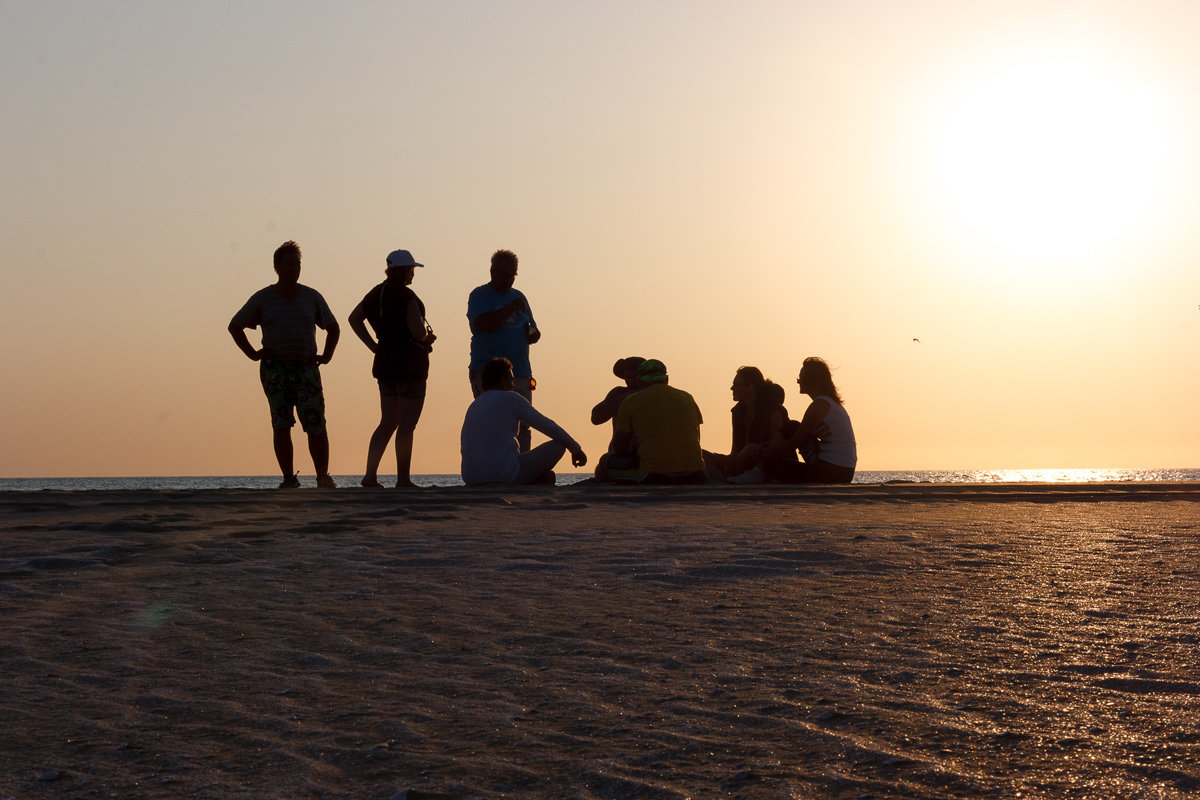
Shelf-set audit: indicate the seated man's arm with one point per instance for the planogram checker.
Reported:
(543, 424)
(607, 408)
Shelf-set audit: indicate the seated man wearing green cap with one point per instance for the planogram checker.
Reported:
(664, 424)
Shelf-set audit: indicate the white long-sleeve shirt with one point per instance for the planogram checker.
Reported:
(488, 443)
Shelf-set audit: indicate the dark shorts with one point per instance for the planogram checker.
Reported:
(624, 469)
(289, 387)
(403, 389)
(808, 472)
(675, 478)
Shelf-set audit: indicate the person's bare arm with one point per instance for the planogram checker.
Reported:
(332, 334)
(813, 415)
(358, 324)
(607, 408)
(490, 321)
(775, 423)
(622, 443)
(418, 328)
(243, 342)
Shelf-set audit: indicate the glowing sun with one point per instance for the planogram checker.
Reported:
(1047, 157)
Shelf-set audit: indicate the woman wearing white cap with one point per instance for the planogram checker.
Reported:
(402, 342)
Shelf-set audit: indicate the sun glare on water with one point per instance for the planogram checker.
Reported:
(1048, 159)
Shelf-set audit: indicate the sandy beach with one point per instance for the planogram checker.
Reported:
(908, 640)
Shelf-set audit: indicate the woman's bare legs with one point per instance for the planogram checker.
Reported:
(409, 412)
(389, 418)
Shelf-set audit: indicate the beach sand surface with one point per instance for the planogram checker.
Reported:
(909, 640)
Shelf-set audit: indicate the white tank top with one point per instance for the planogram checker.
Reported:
(837, 436)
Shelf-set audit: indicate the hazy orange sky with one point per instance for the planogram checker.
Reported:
(713, 184)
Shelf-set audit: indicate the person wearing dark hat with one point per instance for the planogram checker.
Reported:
(626, 370)
(502, 326)
(402, 343)
(289, 367)
(663, 424)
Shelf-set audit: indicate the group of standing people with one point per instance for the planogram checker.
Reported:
(390, 320)
(656, 427)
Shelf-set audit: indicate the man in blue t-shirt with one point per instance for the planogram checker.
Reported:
(502, 326)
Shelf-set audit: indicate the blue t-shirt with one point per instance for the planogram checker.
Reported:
(509, 340)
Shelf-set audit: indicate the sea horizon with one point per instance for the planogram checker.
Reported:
(449, 480)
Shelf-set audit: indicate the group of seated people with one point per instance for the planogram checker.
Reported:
(656, 432)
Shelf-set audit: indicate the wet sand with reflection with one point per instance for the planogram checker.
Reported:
(909, 640)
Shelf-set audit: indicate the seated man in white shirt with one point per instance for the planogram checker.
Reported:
(490, 453)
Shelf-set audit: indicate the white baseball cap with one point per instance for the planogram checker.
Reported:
(402, 258)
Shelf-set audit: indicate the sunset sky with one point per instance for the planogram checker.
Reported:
(1015, 185)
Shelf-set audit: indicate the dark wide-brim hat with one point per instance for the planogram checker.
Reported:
(625, 365)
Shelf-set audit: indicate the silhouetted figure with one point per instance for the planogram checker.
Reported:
(402, 343)
(502, 326)
(488, 442)
(289, 314)
(757, 418)
(664, 424)
(626, 370)
(824, 437)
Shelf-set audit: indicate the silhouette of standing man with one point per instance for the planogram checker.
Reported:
(502, 326)
(289, 314)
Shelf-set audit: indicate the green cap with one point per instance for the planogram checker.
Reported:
(652, 371)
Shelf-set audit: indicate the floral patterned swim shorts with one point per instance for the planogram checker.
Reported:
(294, 387)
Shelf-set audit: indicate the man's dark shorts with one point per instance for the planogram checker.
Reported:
(294, 387)
(404, 390)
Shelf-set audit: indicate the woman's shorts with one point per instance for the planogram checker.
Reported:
(403, 389)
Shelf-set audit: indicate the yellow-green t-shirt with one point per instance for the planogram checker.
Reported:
(665, 423)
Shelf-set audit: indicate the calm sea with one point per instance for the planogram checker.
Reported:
(351, 481)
